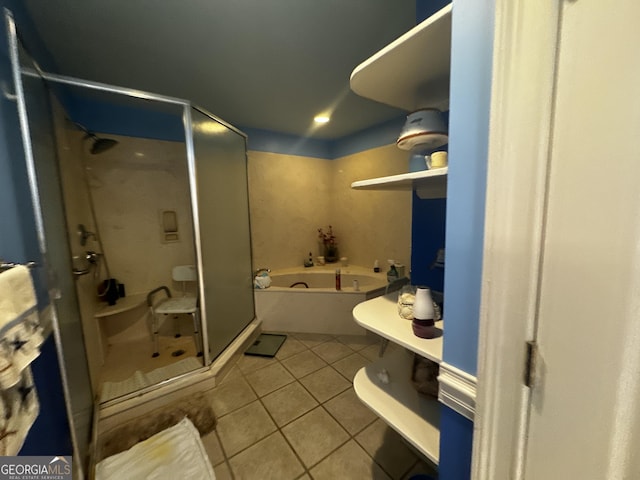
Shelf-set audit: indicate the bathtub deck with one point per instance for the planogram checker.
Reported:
(316, 310)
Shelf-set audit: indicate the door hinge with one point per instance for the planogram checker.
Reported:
(530, 363)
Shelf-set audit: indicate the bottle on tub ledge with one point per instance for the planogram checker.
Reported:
(424, 314)
(309, 262)
(338, 280)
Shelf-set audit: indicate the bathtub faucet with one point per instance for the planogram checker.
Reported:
(261, 270)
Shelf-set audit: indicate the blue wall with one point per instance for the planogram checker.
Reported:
(471, 60)
(427, 236)
(129, 117)
(136, 120)
(456, 441)
(471, 63)
(18, 243)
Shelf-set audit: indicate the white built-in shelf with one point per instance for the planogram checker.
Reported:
(380, 315)
(414, 416)
(412, 72)
(122, 305)
(426, 183)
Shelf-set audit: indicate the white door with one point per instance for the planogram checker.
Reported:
(584, 417)
(562, 245)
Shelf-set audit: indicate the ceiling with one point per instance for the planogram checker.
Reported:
(267, 64)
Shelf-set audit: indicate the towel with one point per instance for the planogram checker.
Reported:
(262, 281)
(20, 330)
(17, 294)
(20, 340)
(176, 452)
(19, 408)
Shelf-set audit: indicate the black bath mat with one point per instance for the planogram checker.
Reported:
(266, 345)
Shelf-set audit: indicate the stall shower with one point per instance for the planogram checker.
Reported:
(128, 185)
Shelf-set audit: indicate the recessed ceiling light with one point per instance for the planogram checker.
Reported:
(321, 119)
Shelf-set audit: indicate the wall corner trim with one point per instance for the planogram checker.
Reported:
(457, 390)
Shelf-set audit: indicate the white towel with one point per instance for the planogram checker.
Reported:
(17, 295)
(262, 281)
(176, 452)
(20, 331)
(19, 408)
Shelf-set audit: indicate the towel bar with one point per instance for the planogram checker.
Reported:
(8, 265)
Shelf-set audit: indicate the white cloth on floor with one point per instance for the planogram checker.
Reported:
(20, 330)
(176, 452)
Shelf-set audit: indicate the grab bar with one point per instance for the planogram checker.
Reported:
(9, 265)
(154, 291)
(299, 283)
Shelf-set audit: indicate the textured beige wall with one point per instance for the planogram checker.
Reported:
(289, 199)
(292, 196)
(131, 184)
(371, 224)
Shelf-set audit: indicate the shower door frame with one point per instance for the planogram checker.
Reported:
(192, 175)
(191, 167)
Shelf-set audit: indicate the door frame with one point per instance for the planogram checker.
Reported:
(522, 104)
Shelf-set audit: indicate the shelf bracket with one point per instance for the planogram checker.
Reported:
(384, 342)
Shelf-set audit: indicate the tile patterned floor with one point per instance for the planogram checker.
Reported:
(296, 416)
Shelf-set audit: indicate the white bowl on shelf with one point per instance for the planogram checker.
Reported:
(424, 128)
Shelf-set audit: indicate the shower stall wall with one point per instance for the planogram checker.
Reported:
(170, 156)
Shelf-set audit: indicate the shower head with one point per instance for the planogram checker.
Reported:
(99, 144)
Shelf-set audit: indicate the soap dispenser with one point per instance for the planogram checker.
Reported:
(392, 274)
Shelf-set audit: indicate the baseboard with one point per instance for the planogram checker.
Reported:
(457, 390)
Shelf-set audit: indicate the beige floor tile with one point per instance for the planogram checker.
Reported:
(325, 383)
(349, 462)
(244, 427)
(233, 373)
(304, 363)
(269, 459)
(332, 351)
(289, 403)
(251, 363)
(312, 339)
(358, 342)
(350, 412)
(387, 448)
(230, 396)
(213, 448)
(222, 472)
(350, 365)
(290, 347)
(269, 379)
(314, 436)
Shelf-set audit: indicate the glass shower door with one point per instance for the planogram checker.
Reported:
(225, 241)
